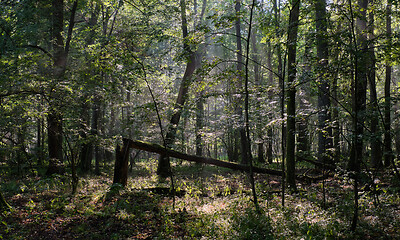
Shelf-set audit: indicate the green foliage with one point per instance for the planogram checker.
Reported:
(252, 225)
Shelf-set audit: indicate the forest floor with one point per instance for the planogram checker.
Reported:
(210, 203)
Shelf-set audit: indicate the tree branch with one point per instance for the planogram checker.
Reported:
(40, 48)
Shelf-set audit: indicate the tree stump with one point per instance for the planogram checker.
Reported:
(121, 164)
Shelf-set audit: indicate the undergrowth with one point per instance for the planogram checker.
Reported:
(210, 203)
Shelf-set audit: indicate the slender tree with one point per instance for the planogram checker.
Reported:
(200, 95)
(257, 81)
(324, 103)
(388, 155)
(240, 131)
(291, 94)
(375, 140)
(361, 54)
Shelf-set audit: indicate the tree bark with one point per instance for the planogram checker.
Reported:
(291, 95)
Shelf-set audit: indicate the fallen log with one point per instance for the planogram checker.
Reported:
(156, 148)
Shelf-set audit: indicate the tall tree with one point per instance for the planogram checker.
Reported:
(388, 155)
(291, 93)
(60, 54)
(257, 81)
(164, 167)
(360, 40)
(200, 95)
(87, 148)
(360, 85)
(240, 131)
(324, 103)
(375, 140)
(268, 150)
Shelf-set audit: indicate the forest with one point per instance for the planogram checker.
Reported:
(199, 119)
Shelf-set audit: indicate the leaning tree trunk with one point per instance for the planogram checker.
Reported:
(164, 167)
(291, 95)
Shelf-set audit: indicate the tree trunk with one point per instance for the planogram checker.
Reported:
(60, 54)
(199, 124)
(360, 88)
(54, 138)
(95, 129)
(54, 117)
(336, 123)
(257, 81)
(291, 95)
(303, 145)
(240, 131)
(388, 154)
(359, 100)
(121, 163)
(376, 139)
(39, 141)
(268, 150)
(324, 103)
(86, 153)
(164, 167)
(282, 97)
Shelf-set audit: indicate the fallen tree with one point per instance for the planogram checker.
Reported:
(122, 159)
